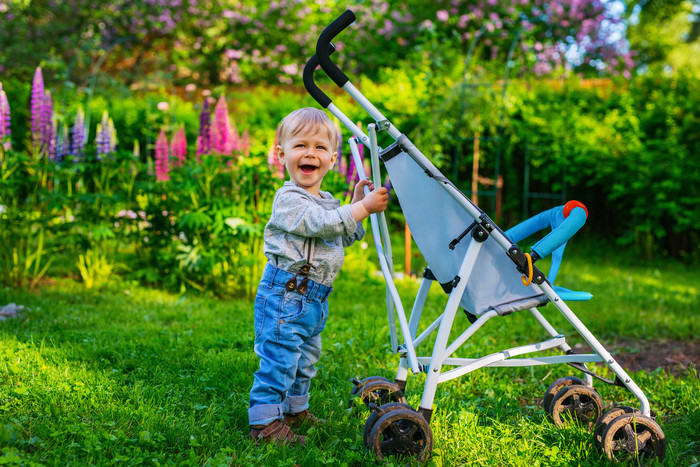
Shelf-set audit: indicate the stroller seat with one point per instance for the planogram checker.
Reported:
(443, 231)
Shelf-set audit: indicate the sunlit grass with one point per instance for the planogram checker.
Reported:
(137, 376)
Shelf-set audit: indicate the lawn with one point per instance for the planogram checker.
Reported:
(129, 375)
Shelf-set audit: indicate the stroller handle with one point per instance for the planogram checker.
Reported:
(309, 82)
(324, 40)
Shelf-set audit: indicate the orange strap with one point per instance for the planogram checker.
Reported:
(528, 281)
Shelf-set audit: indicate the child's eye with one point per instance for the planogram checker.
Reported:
(321, 147)
(300, 145)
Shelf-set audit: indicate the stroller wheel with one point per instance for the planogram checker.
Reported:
(401, 433)
(357, 388)
(605, 420)
(380, 392)
(377, 412)
(555, 387)
(358, 385)
(631, 436)
(581, 404)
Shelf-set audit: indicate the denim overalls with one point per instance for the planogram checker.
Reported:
(288, 342)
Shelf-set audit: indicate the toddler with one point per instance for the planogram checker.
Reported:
(304, 242)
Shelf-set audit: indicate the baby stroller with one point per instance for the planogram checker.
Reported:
(481, 268)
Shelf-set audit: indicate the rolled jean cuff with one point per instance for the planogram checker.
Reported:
(264, 414)
(295, 404)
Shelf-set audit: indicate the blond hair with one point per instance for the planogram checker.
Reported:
(307, 119)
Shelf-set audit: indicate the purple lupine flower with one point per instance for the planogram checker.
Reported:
(178, 147)
(48, 133)
(78, 140)
(5, 121)
(103, 140)
(37, 107)
(162, 167)
(204, 138)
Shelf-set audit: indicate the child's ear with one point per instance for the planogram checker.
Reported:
(280, 154)
(334, 156)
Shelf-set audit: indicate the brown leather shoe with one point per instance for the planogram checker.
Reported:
(276, 432)
(298, 419)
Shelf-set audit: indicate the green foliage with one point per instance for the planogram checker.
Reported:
(626, 153)
(665, 35)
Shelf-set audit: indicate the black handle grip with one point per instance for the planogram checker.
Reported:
(309, 82)
(340, 23)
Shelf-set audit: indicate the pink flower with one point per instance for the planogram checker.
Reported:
(178, 147)
(162, 167)
(163, 106)
(224, 140)
(4, 121)
(443, 15)
(292, 69)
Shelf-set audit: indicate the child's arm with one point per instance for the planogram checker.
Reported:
(295, 212)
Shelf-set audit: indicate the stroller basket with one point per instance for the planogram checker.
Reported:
(481, 268)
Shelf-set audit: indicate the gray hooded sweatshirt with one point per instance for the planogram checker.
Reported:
(306, 228)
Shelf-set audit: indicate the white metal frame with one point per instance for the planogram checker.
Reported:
(442, 349)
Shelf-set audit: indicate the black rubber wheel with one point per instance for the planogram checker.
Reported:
(555, 387)
(358, 384)
(632, 436)
(580, 404)
(381, 392)
(605, 419)
(376, 414)
(402, 433)
(358, 387)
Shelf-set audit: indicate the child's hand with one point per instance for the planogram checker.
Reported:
(376, 201)
(359, 193)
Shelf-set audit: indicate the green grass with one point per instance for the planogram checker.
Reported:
(135, 376)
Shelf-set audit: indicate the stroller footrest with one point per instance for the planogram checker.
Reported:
(504, 309)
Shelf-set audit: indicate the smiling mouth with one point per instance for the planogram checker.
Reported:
(308, 169)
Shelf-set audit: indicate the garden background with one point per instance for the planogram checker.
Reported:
(137, 172)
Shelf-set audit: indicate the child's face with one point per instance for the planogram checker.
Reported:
(307, 157)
